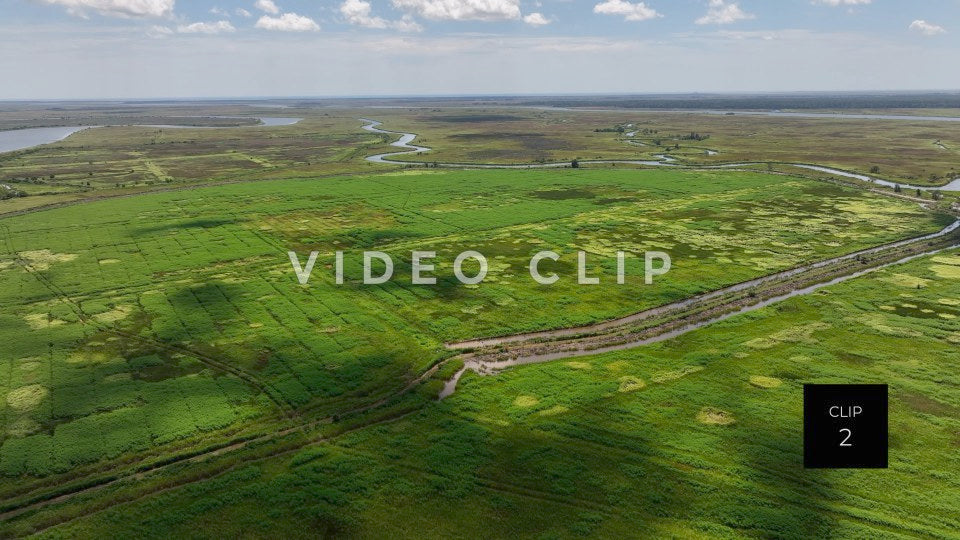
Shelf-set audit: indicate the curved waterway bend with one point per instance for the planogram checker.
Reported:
(662, 161)
(21, 139)
(403, 142)
(952, 186)
(406, 138)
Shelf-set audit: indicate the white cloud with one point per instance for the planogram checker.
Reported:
(283, 22)
(462, 10)
(406, 24)
(843, 2)
(927, 29)
(358, 12)
(535, 19)
(288, 22)
(631, 12)
(118, 8)
(206, 28)
(267, 6)
(721, 12)
(244, 13)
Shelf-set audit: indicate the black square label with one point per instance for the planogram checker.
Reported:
(845, 426)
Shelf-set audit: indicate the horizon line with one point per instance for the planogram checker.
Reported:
(486, 95)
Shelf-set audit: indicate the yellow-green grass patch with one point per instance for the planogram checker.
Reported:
(629, 384)
(525, 402)
(43, 259)
(946, 271)
(39, 321)
(762, 381)
(27, 398)
(714, 416)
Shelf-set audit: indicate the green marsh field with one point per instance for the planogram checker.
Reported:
(696, 437)
(164, 374)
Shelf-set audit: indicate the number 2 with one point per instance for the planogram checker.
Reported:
(847, 438)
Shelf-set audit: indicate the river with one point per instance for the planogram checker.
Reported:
(662, 161)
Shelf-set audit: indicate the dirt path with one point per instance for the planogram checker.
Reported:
(614, 323)
(489, 356)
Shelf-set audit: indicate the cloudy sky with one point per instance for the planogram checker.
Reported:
(54, 49)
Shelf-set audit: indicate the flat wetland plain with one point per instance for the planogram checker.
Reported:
(164, 374)
(915, 152)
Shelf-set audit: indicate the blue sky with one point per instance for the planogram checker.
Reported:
(200, 48)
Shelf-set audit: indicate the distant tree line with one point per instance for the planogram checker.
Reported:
(819, 100)
(27, 180)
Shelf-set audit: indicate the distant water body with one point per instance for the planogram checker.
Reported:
(19, 139)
